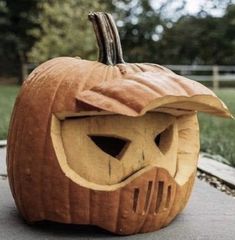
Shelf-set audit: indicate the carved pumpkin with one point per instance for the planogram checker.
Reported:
(105, 142)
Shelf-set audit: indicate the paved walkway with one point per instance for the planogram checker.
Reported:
(3, 169)
(210, 215)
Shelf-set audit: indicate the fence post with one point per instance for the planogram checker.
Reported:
(24, 71)
(215, 77)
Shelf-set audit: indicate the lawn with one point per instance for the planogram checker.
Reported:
(7, 98)
(217, 134)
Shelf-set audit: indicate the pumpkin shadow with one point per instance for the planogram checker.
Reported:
(69, 230)
(55, 230)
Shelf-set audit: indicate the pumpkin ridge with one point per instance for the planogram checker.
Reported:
(44, 148)
(140, 67)
(189, 190)
(24, 94)
(78, 71)
(148, 67)
(176, 87)
(113, 73)
(30, 95)
(118, 213)
(157, 90)
(160, 67)
(125, 108)
(167, 82)
(143, 85)
(70, 204)
(135, 68)
(18, 172)
(12, 135)
(71, 87)
(106, 73)
(134, 105)
(90, 207)
(183, 85)
(38, 84)
(86, 83)
(38, 73)
(10, 153)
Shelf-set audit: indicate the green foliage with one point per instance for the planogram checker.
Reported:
(65, 30)
(7, 98)
(229, 38)
(149, 35)
(137, 21)
(200, 40)
(17, 19)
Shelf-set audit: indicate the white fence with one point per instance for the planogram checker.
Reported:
(206, 73)
(215, 74)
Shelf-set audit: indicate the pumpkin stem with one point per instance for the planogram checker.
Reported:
(110, 49)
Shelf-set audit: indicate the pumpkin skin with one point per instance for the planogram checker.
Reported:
(64, 87)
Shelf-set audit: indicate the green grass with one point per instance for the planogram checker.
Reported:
(7, 98)
(217, 134)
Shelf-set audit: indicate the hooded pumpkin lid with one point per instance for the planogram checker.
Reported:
(138, 93)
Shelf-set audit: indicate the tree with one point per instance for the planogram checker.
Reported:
(137, 22)
(18, 19)
(33, 30)
(141, 24)
(65, 30)
(199, 40)
(229, 37)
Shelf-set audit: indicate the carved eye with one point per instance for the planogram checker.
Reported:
(164, 139)
(111, 145)
(157, 139)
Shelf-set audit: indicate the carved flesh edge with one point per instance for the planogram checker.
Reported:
(175, 105)
(70, 173)
(74, 176)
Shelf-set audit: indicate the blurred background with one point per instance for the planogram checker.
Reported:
(195, 38)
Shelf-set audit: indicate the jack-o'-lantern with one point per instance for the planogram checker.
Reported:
(106, 143)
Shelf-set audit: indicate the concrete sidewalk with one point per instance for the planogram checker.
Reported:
(210, 215)
(3, 168)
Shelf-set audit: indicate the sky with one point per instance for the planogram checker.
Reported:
(193, 6)
(215, 8)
